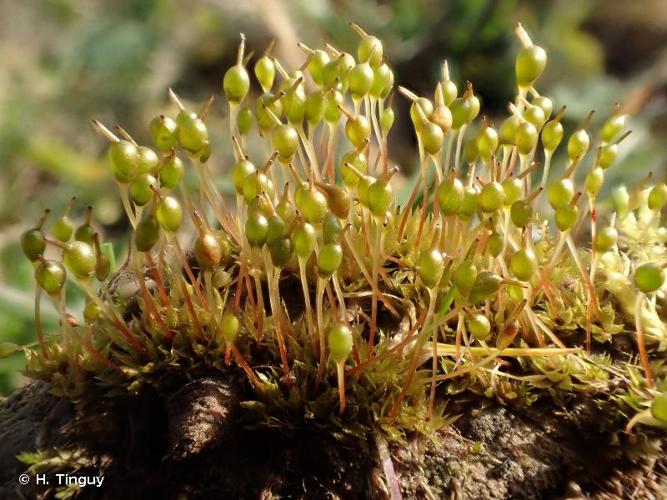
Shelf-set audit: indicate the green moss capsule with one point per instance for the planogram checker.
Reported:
(192, 132)
(240, 173)
(605, 239)
(304, 238)
(491, 197)
(486, 284)
(432, 137)
(535, 116)
(357, 130)
(125, 160)
(552, 135)
(383, 81)
(79, 257)
(163, 132)
(311, 203)
(621, 200)
(594, 181)
(285, 140)
(315, 105)
(430, 266)
(331, 228)
(229, 328)
(285, 209)
(442, 117)
(470, 152)
(521, 213)
(361, 79)
(265, 121)
(236, 83)
(577, 144)
(244, 120)
(339, 339)
(50, 276)
(465, 276)
(380, 197)
(294, 105)
(85, 232)
(546, 105)
(426, 108)
(256, 229)
(508, 130)
(469, 203)
(649, 277)
(332, 111)
(33, 244)
(449, 90)
(526, 138)
(62, 228)
(172, 173)
(169, 213)
(141, 191)
(478, 325)
(606, 156)
(281, 251)
(523, 264)
(450, 196)
(265, 72)
(277, 228)
(318, 60)
(613, 127)
(657, 197)
(529, 65)
(495, 244)
(147, 234)
(329, 259)
(461, 109)
(487, 142)
(262, 205)
(513, 188)
(370, 50)
(359, 161)
(256, 184)
(560, 193)
(566, 217)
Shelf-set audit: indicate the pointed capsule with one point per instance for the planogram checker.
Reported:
(236, 81)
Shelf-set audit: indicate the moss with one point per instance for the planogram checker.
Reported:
(155, 324)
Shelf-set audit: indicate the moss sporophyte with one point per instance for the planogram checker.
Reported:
(322, 297)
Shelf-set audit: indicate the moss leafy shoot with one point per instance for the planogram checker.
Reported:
(327, 301)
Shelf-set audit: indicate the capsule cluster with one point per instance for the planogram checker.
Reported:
(317, 255)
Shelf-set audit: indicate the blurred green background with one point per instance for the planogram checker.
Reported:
(63, 62)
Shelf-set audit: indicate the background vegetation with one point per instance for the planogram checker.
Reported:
(65, 61)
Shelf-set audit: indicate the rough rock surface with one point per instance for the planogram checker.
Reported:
(187, 444)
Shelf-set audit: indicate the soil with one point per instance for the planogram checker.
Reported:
(191, 444)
